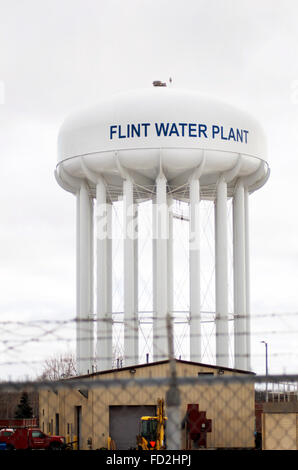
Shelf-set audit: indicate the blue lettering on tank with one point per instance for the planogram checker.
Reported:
(120, 135)
(239, 134)
(162, 129)
(203, 130)
(174, 130)
(232, 134)
(146, 125)
(181, 129)
(215, 131)
(222, 134)
(245, 133)
(192, 130)
(183, 126)
(135, 130)
(112, 131)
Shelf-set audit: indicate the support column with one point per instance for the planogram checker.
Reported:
(160, 271)
(170, 255)
(85, 341)
(136, 274)
(154, 286)
(92, 306)
(221, 274)
(104, 279)
(194, 266)
(247, 278)
(240, 351)
(131, 337)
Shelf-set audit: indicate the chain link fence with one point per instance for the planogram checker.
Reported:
(145, 408)
(171, 404)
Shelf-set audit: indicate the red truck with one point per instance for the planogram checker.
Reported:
(30, 438)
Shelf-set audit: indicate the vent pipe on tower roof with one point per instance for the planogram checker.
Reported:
(159, 83)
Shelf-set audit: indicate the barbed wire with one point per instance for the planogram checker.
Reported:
(95, 381)
(227, 400)
(49, 336)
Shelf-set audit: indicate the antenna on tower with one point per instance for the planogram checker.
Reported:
(159, 83)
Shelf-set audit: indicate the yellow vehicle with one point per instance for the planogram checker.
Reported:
(152, 430)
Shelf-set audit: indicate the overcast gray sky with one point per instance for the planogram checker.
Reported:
(59, 56)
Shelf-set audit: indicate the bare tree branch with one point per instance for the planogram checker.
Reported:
(59, 366)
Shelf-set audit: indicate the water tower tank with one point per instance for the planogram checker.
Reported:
(160, 144)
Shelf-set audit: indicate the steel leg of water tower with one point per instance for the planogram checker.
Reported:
(154, 287)
(84, 280)
(78, 281)
(136, 283)
(170, 254)
(239, 279)
(247, 278)
(221, 274)
(109, 328)
(160, 343)
(91, 301)
(104, 308)
(130, 319)
(194, 267)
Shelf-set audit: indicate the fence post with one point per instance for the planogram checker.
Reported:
(173, 426)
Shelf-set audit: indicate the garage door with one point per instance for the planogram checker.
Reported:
(124, 424)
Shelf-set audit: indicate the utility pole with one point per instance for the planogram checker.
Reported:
(266, 363)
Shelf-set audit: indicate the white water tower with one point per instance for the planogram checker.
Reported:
(159, 144)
